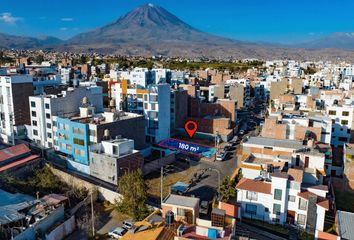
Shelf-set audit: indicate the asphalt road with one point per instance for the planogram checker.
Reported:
(206, 188)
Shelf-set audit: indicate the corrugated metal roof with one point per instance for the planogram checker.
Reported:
(346, 223)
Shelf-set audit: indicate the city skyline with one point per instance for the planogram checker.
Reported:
(237, 20)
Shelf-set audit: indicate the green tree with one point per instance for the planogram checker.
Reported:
(134, 194)
(227, 189)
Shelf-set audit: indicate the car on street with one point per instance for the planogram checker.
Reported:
(220, 156)
(117, 233)
(128, 224)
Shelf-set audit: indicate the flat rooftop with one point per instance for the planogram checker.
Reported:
(272, 142)
(184, 201)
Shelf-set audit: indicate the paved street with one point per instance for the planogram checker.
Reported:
(206, 188)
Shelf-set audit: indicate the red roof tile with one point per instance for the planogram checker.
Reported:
(13, 151)
(254, 186)
(19, 162)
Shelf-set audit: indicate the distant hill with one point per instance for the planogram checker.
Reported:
(152, 30)
(340, 40)
(20, 42)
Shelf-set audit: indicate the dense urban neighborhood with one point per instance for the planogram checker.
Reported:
(93, 142)
(102, 140)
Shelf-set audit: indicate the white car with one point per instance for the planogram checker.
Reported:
(117, 233)
(128, 224)
(220, 156)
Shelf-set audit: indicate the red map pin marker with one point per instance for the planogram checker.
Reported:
(191, 127)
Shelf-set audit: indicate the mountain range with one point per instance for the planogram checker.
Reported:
(152, 30)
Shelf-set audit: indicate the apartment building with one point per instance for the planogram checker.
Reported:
(154, 102)
(214, 118)
(72, 136)
(14, 105)
(298, 127)
(65, 104)
(229, 91)
(179, 111)
(342, 123)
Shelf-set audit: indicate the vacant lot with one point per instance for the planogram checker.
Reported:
(178, 171)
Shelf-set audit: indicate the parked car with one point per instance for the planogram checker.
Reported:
(220, 156)
(204, 207)
(228, 148)
(117, 233)
(241, 132)
(128, 224)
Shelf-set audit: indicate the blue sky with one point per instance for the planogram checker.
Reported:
(281, 21)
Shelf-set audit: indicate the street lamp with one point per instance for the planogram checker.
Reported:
(216, 143)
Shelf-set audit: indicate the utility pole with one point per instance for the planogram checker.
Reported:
(161, 185)
(92, 216)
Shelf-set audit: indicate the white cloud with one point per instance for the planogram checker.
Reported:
(7, 17)
(63, 29)
(67, 19)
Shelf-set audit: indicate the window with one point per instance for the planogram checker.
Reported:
(345, 113)
(146, 106)
(251, 195)
(34, 123)
(78, 141)
(266, 209)
(277, 194)
(331, 112)
(291, 198)
(302, 204)
(276, 209)
(33, 104)
(35, 132)
(34, 114)
(49, 135)
(344, 122)
(251, 209)
(301, 219)
(342, 139)
(49, 125)
(271, 148)
(93, 132)
(180, 212)
(153, 106)
(47, 115)
(47, 106)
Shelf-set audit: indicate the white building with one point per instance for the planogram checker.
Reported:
(342, 122)
(157, 112)
(14, 111)
(282, 198)
(65, 104)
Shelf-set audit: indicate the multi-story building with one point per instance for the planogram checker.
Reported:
(284, 198)
(179, 111)
(298, 127)
(342, 123)
(65, 104)
(153, 102)
(109, 159)
(14, 107)
(72, 136)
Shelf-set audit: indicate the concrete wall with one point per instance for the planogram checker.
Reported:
(62, 230)
(157, 164)
(103, 193)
